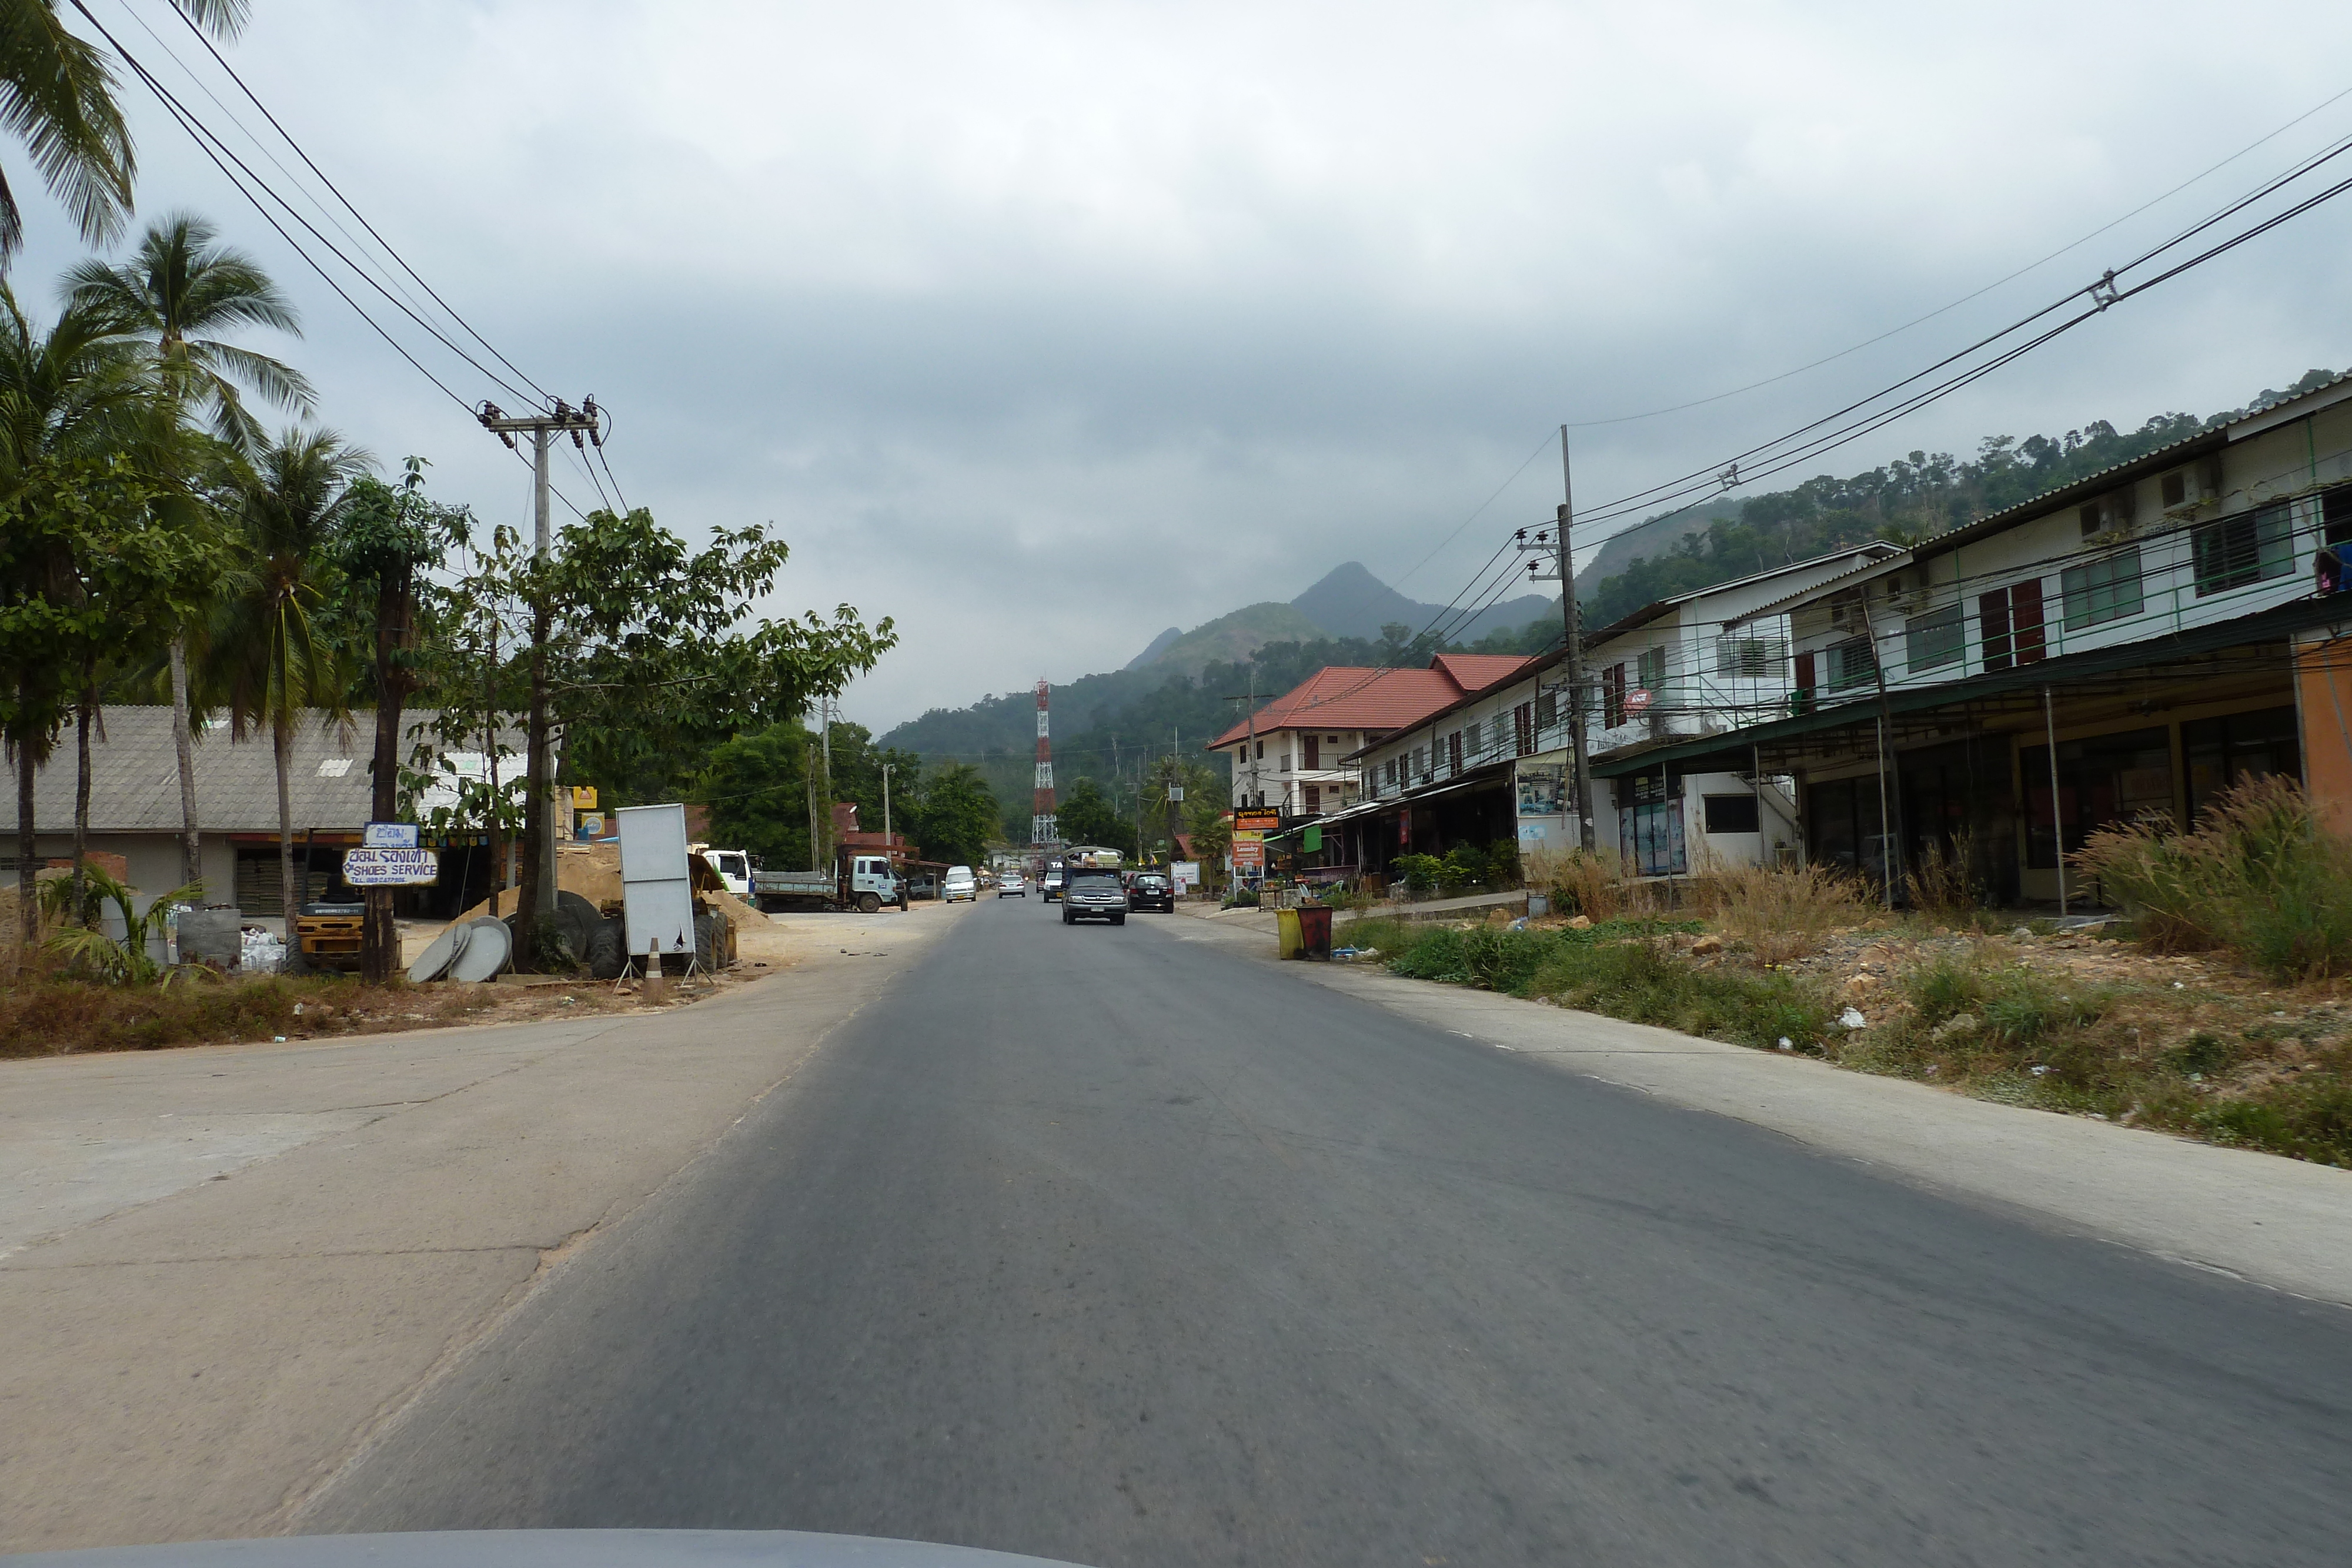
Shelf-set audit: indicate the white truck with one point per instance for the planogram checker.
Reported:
(733, 867)
(859, 880)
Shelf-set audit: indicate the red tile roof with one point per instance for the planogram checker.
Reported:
(1346, 696)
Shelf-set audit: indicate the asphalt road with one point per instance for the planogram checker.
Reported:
(1119, 1247)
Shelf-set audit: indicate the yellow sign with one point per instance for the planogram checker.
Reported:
(583, 797)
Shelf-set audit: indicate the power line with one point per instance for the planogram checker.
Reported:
(348, 207)
(1974, 294)
(2105, 292)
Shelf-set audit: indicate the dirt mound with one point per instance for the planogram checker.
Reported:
(592, 871)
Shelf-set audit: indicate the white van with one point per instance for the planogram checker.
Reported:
(959, 884)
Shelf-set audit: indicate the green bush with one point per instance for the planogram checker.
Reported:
(1420, 873)
(1464, 867)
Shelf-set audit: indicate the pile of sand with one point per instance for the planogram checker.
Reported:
(592, 871)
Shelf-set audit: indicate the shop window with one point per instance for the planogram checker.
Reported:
(1547, 710)
(2104, 781)
(1933, 640)
(1654, 671)
(2102, 590)
(1650, 825)
(2249, 547)
(2235, 748)
(1475, 745)
(2011, 625)
(1841, 824)
(1731, 814)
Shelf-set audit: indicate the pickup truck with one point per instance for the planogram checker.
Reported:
(863, 883)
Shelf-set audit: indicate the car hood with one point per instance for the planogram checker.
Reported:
(544, 1549)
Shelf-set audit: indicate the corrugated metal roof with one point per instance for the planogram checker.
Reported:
(135, 776)
(1651, 612)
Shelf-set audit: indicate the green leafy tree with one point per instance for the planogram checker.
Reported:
(66, 396)
(756, 787)
(955, 817)
(646, 652)
(468, 661)
(1088, 818)
(57, 94)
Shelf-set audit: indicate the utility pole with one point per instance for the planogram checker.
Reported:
(538, 898)
(1175, 798)
(885, 808)
(825, 736)
(1572, 619)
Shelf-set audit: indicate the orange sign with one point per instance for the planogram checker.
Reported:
(1249, 852)
(1256, 820)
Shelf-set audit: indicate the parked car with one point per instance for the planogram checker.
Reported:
(1152, 890)
(1011, 883)
(959, 884)
(922, 884)
(1051, 888)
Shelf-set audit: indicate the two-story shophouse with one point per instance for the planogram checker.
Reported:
(1288, 754)
(1494, 764)
(2122, 649)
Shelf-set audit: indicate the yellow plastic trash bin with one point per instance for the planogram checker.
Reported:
(1286, 925)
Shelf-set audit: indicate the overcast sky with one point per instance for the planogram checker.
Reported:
(1040, 328)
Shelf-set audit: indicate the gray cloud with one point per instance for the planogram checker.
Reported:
(994, 308)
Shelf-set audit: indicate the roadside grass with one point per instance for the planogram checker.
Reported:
(1978, 1016)
(54, 1016)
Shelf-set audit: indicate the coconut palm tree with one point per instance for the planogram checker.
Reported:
(269, 661)
(56, 92)
(180, 289)
(66, 395)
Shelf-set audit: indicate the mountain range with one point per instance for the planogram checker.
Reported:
(1345, 602)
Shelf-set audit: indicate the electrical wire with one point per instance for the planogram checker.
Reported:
(218, 151)
(323, 179)
(1726, 472)
(1975, 294)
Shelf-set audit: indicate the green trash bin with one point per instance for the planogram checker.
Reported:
(1315, 931)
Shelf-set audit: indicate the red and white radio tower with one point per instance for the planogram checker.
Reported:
(1043, 828)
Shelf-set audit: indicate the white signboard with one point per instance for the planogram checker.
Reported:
(1188, 874)
(657, 895)
(390, 836)
(390, 868)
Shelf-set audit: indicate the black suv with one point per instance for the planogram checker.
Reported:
(1152, 890)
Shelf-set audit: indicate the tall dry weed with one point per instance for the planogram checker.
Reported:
(1783, 913)
(2258, 875)
(1593, 884)
(1943, 882)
